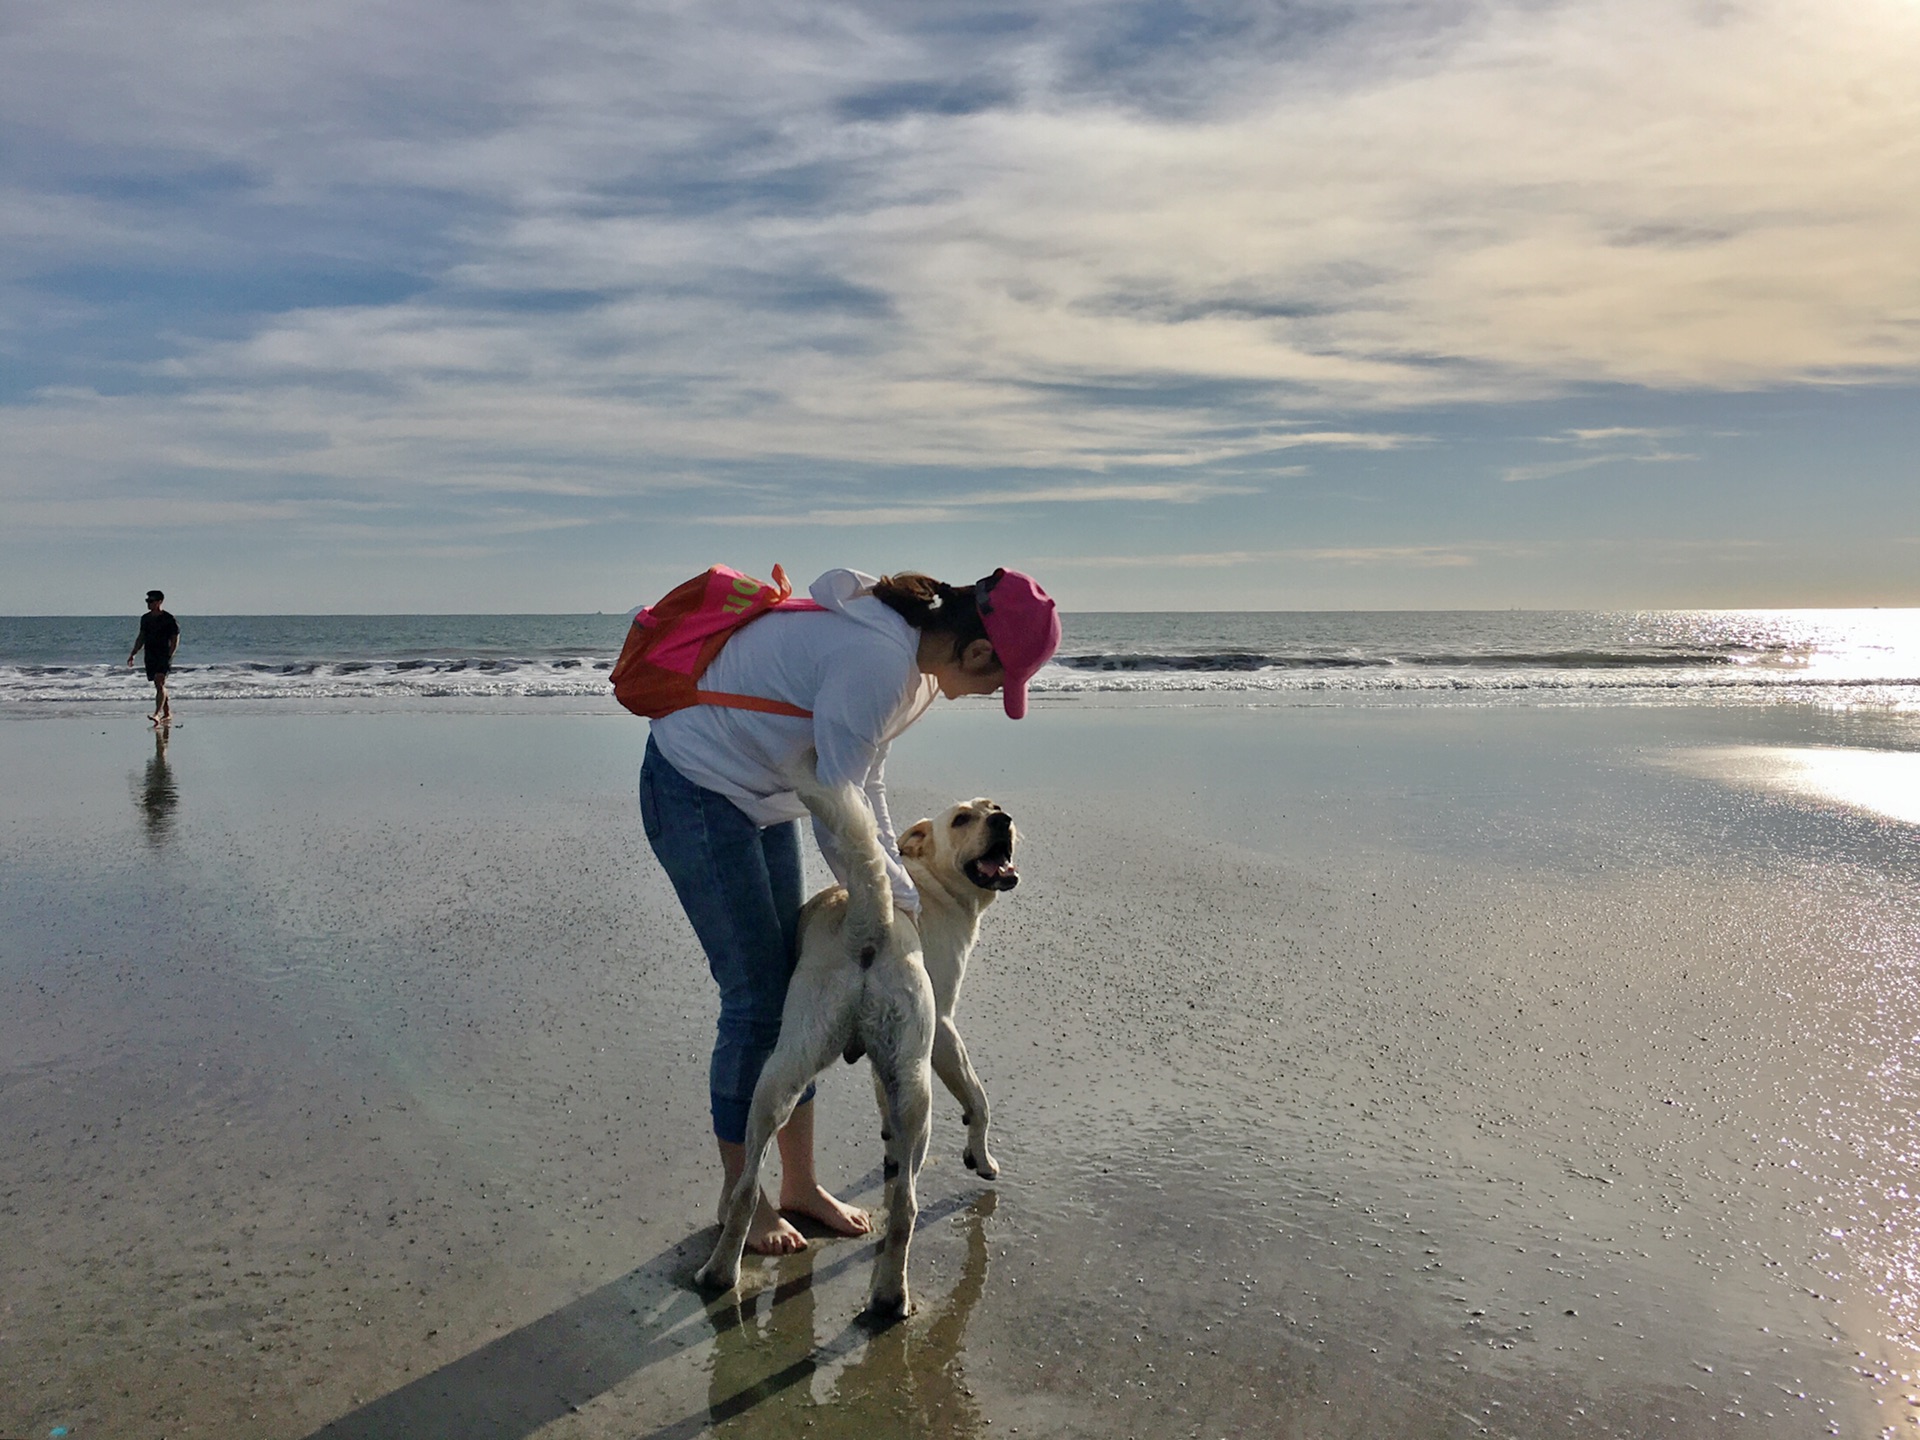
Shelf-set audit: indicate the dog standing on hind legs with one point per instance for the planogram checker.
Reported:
(959, 861)
(871, 980)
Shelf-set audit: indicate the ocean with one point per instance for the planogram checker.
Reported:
(1834, 658)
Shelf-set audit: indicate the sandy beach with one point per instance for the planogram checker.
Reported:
(1357, 1071)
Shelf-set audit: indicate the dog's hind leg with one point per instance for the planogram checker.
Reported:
(780, 1086)
(886, 1114)
(909, 1121)
(722, 1270)
(956, 1071)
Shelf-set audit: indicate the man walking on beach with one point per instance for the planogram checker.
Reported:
(159, 634)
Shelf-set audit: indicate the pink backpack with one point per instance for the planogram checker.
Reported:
(671, 643)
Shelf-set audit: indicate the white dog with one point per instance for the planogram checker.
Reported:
(870, 979)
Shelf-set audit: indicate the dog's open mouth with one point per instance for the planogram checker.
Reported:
(993, 870)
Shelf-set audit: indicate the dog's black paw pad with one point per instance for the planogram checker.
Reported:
(886, 1309)
(968, 1160)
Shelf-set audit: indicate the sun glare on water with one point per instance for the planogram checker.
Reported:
(1880, 782)
(1876, 782)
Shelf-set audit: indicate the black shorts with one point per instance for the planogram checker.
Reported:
(156, 672)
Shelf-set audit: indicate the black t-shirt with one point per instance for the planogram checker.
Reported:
(157, 632)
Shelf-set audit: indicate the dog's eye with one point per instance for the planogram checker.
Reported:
(962, 819)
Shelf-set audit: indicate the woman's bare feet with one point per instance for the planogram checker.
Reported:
(767, 1233)
(800, 1193)
(816, 1204)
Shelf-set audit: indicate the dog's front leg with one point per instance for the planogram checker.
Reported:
(955, 1069)
(908, 1084)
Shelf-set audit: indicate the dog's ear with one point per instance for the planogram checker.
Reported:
(918, 840)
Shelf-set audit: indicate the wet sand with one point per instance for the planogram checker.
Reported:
(1420, 1072)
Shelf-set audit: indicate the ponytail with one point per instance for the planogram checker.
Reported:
(933, 607)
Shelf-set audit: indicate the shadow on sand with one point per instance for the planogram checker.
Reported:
(763, 1346)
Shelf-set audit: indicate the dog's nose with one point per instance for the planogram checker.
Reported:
(1000, 821)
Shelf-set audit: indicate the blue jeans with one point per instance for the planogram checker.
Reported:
(740, 885)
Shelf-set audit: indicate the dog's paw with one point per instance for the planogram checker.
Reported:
(983, 1164)
(885, 1307)
(717, 1275)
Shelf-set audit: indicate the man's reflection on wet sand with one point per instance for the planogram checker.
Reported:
(772, 1376)
(154, 792)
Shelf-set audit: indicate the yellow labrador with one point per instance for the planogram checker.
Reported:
(875, 980)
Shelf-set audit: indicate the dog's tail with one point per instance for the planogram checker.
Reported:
(844, 811)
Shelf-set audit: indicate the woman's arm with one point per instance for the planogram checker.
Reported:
(872, 784)
(855, 715)
(904, 894)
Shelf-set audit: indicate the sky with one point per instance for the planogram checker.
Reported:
(424, 306)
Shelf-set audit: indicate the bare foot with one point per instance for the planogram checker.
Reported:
(817, 1204)
(767, 1233)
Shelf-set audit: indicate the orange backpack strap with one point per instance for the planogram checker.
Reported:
(750, 702)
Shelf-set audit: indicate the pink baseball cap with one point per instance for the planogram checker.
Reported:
(1024, 625)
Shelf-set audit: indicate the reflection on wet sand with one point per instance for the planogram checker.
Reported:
(1879, 782)
(1517, 1089)
(764, 1351)
(772, 1375)
(155, 793)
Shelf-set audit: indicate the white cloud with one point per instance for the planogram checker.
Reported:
(1515, 474)
(1552, 469)
(1641, 191)
(954, 504)
(1650, 454)
(1418, 556)
(645, 247)
(1604, 432)
(153, 513)
(851, 518)
(1391, 556)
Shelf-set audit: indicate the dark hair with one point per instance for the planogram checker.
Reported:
(933, 607)
(153, 595)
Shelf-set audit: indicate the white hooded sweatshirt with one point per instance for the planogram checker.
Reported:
(854, 667)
